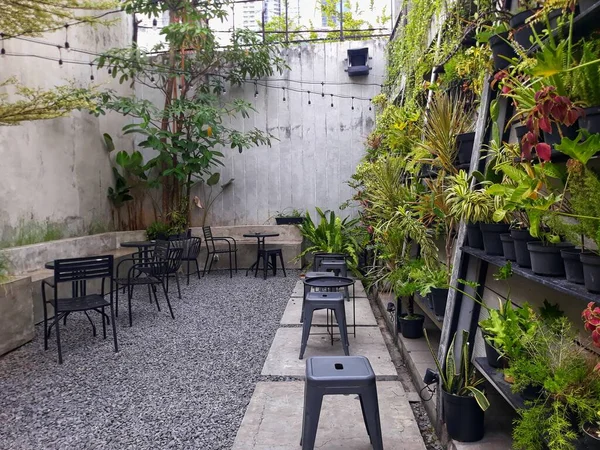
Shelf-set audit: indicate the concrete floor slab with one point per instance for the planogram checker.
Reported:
(282, 359)
(364, 313)
(359, 290)
(273, 420)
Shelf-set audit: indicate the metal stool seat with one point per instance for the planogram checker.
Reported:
(324, 300)
(330, 375)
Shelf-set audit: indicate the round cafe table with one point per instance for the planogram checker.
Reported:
(260, 237)
(142, 246)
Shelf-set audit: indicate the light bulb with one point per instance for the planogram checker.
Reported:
(154, 24)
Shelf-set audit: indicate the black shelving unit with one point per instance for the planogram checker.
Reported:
(437, 321)
(496, 378)
(558, 284)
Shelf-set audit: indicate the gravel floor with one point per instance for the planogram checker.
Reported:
(181, 383)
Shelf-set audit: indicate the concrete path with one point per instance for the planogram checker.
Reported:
(273, 419)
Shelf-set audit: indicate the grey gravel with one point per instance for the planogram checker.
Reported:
(181, 383)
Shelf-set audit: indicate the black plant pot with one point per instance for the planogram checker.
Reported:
(501, 49)
(465, 147)
(591, 120)
(439, 298)
(573, 265)
(521, 238)
(491, 237)
(522, 31)
(412, 328)
(508, 246)
(591, 271)
(531, 392)
(493, 357)
(554, 138)
(546, 259)
(289, 220)
(464, 418)
(474, 236)
(591, 441)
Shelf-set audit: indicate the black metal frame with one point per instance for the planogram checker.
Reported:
(191, 253)
(78, 271)
(208, 237)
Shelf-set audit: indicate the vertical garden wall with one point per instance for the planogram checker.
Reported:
(481, 190)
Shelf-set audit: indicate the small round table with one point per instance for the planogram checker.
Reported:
(261, 246)
(142, 246)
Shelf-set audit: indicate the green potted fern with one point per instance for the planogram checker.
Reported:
(464, 403)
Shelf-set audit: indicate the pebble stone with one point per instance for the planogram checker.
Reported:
(176, 384)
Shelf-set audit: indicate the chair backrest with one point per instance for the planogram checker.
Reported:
(194, 245)
(82, 269)
(174, 259)
(208, 237)
(161, 250)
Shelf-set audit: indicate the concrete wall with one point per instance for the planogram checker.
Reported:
(318, 146)
(58, 170)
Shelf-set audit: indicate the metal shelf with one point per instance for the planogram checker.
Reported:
(558, 284)
(496, 379)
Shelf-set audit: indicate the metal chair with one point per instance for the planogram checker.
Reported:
(190, 254)
(211, 250)
(174, 262)
(320, 256)
(150, 271)
(78, 271)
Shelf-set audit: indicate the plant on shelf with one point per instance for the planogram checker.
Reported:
(175, 225)
(473, 205)
(569, 388)
(289, 216)
(464, 401)
(332, 235)
(591, 320)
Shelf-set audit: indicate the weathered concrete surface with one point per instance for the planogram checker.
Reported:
(359, 290)
(16, 314)
(364, 314)
(283, 355)
(273, 420)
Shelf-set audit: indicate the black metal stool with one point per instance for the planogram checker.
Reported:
(330, 375)
(270, 254)
(337, 266)
(320, 256)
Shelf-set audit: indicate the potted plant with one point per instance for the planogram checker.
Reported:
(434, 283)
(568, 387)
(591, 320)
(502, 50)
(411, 324)
(471, 205)
(464, 403)
(508, 247)
(405, 281)
(176, 226)
(464, 142)
(289, 216)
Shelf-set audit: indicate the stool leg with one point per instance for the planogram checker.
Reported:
(282, 265)
(257, 264)
(306, 291)
(340, 316)
(274, 263)
(308, 316)
(310, 420)
(371, 414)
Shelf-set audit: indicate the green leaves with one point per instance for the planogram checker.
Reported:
(580, 148)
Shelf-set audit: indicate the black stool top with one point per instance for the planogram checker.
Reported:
(327, 296)
(337, 369)
(327, 280)
(337, 262)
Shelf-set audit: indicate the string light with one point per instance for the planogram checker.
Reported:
(154, 23)
(67, 46)
(151, 78)
(352, 103)
(255, 89)
(322, 89)
(370, 100)
(92, 71)
(2, 50)
(60, 61)
(109, 71)
(283, 93)
(332, 100)
(309, 98)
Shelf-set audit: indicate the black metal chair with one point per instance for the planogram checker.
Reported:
(175, 261)
(78, 271)
(211, 250)
(150, 271)
(269, 258)
(190, 255)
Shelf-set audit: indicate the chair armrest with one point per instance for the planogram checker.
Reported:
(136, 257)
(152, 268)
(227, 239)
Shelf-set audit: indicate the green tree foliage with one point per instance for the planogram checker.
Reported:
(190, 129)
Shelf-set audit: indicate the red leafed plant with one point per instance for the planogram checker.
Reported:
(550, 108)
(591, 320)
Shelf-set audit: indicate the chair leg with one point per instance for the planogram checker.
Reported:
(117, 302)
(236, 265)
(56, 323)
(197, 268)
(129, 295)
(188, 272)
(230, 266)
(178, 287)
(310, 422)
(265, 265)
(257, 265)
(274, 263)
(206, 263)
(308, 316)
(212, 259)
(103, 323)
(45, 326)
(371, 408)
(340, 316)
(114, 327)
(155, 297)
(168, 301)
(91, 322)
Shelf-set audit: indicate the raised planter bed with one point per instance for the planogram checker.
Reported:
(16, 313)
